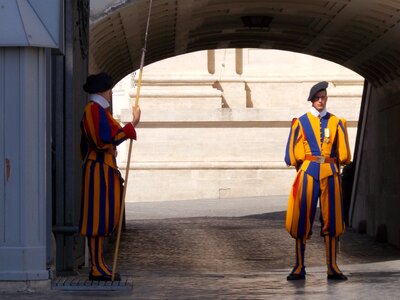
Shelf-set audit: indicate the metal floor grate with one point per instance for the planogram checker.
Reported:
(79, 284)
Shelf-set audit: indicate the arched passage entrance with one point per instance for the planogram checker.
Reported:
(215, 122)
(360, 35)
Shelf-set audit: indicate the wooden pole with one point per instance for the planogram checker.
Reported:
(130, 148)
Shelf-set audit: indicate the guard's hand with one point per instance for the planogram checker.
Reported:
(136, 115)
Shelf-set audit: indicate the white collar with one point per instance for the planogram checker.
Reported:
(100, 100)
(316, 113)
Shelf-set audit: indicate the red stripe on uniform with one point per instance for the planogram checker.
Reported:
(295, 187)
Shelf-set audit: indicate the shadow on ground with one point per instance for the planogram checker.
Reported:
(220, 245)
(237, 258)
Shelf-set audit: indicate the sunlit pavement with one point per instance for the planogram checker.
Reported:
(185, 255)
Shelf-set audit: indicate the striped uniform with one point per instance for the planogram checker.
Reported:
(311, 137)
(102, 183)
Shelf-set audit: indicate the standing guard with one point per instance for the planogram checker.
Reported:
(102, 184)
(317, 146)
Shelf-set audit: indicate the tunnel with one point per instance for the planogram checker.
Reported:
(359, 35)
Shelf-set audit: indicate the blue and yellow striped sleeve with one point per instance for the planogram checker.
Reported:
(294, 135)
(343, 146)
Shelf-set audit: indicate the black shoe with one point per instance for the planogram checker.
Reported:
(117, 277)
(293, 276)
(337, 276)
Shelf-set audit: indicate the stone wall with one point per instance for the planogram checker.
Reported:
(215, 123)
(376, 202)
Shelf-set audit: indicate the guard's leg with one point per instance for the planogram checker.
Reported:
(302, 205)
(303, 202)
(331, 246)
(98, 270)
(332, 222)
(299, 270)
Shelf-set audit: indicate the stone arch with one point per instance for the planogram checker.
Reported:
(358, 35)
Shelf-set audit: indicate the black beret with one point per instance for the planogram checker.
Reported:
(98, 83)
(320, 86)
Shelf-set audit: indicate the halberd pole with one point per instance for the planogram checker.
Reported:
(130, 147)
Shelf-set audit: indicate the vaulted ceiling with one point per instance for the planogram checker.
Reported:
(363, 35)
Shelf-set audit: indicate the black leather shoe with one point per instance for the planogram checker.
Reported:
(117, 277)
(292, 276)
(337, 276)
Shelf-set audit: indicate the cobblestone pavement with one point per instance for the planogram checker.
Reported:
(247, 257)
(238, 258)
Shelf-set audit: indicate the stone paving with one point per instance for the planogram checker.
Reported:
(244, 257)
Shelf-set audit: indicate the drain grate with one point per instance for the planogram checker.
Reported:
(79, 284)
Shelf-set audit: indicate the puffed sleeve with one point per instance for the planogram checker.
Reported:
(343, 147)
(294, 148)
(103, 131)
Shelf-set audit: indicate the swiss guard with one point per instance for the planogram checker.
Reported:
(102, 184)
(317, 146)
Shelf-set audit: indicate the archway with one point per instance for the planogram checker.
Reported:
(357, 34)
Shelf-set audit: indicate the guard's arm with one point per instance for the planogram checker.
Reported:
(103, 130)
(292, 146)
(343, 146)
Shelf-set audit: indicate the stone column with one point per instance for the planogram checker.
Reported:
(229, 68)
(23, 164)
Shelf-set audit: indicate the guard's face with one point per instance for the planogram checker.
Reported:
(108, 95)
(319, 100)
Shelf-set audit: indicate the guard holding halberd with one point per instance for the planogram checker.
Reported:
(102, 184)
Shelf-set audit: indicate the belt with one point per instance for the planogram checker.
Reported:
(321, 159)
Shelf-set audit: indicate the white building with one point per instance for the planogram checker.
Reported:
(215, 123)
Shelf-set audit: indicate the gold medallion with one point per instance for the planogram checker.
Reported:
(326, 135)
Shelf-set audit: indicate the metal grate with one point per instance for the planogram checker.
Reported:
(79, 284)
